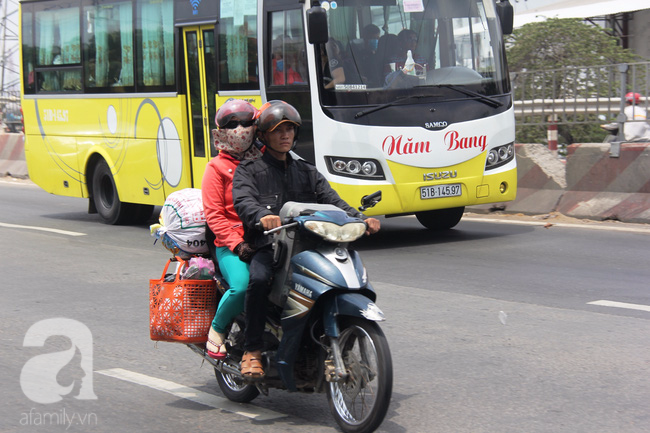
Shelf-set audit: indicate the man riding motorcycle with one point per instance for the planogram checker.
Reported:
(260, 188)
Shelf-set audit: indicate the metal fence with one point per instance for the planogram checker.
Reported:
(10, 114)
(578, 95)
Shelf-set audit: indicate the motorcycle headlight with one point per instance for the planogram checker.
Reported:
(336, 233)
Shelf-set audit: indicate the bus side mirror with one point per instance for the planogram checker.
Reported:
(317, 25)
(506, 16)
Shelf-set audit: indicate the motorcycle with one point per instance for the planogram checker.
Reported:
(612, 131)
(321, 332)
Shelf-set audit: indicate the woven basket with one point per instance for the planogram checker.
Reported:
(181, 310)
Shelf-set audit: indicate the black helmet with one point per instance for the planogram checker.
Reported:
(238, 108)
(274, 113)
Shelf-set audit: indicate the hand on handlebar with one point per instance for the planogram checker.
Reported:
(269, 222)
(373, 225)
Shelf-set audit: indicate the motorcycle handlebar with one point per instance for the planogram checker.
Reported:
(277, 229)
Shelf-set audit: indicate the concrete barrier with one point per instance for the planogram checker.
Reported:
(602, 187)
(541, 182)
(12, 155)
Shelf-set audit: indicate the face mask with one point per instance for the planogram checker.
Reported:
(373, 44)
(279, 65)
(236, 142)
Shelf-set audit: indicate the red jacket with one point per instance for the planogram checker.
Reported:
(220, 214)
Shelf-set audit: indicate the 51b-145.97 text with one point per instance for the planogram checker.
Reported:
(437, 191)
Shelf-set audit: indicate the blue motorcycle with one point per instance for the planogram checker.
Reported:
(322, 333)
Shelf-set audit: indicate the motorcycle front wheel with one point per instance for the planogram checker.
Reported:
(360, 402)
(235, 389)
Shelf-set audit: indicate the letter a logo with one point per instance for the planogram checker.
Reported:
(38, 376)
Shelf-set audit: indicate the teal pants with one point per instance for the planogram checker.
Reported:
(232, 302)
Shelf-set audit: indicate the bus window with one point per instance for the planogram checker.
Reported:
(28, 53)
(57, 48)
(237, 42)
(155, 44)
(288, 61)
(107, 43)
(210, 80)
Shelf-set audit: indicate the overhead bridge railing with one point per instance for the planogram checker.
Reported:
(591, 94)
(607, 106)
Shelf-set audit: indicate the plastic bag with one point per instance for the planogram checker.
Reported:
(199, 269)
(182, 223)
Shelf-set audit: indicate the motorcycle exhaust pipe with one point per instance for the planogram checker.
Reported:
(223, 366)
(226, 368)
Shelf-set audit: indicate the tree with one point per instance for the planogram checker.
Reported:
(564, 59)
(557, 43)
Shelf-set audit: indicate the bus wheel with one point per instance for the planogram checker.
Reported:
(440, 219)
(108, 204)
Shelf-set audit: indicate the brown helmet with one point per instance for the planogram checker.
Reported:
(273, 113)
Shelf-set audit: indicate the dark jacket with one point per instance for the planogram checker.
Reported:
(262, 186)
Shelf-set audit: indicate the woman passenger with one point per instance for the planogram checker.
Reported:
(234, 140)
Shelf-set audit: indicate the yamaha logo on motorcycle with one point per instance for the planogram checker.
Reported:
(322, 332)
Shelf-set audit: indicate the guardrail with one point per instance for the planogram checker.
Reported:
(576, 95)
(11, 118)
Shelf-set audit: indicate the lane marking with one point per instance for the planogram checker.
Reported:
(615, 304)
(204, 398)
(645, 230)
(43, 229)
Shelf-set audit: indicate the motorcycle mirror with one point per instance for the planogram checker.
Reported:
(368, 201)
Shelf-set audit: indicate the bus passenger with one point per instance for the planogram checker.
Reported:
(260, 188)
(364, 55)
(408, 41)
(284, 57)
(234, 140)
(636, 127)
(332, 64)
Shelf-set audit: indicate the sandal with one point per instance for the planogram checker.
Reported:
(216, 346)
(251, 365)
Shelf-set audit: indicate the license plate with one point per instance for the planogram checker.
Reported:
(437, 191)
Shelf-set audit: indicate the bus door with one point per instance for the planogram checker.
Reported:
(201, 89)
(285, 59)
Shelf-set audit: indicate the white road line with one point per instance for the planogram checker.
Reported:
(641, 229)
(615, 304)
(44, 229)
(204, 398)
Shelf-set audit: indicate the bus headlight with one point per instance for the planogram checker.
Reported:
(500, 156)
(353, 167)
(369, 168)
(358, 168)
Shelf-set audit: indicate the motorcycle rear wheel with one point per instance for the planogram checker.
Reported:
(360, 403)
(235, 389)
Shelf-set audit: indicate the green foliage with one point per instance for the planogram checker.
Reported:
(558, 43)
(565, 60)
(534, 129)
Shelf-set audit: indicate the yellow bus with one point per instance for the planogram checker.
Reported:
(408, 97)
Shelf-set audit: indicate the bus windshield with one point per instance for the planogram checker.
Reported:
(380, 51)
